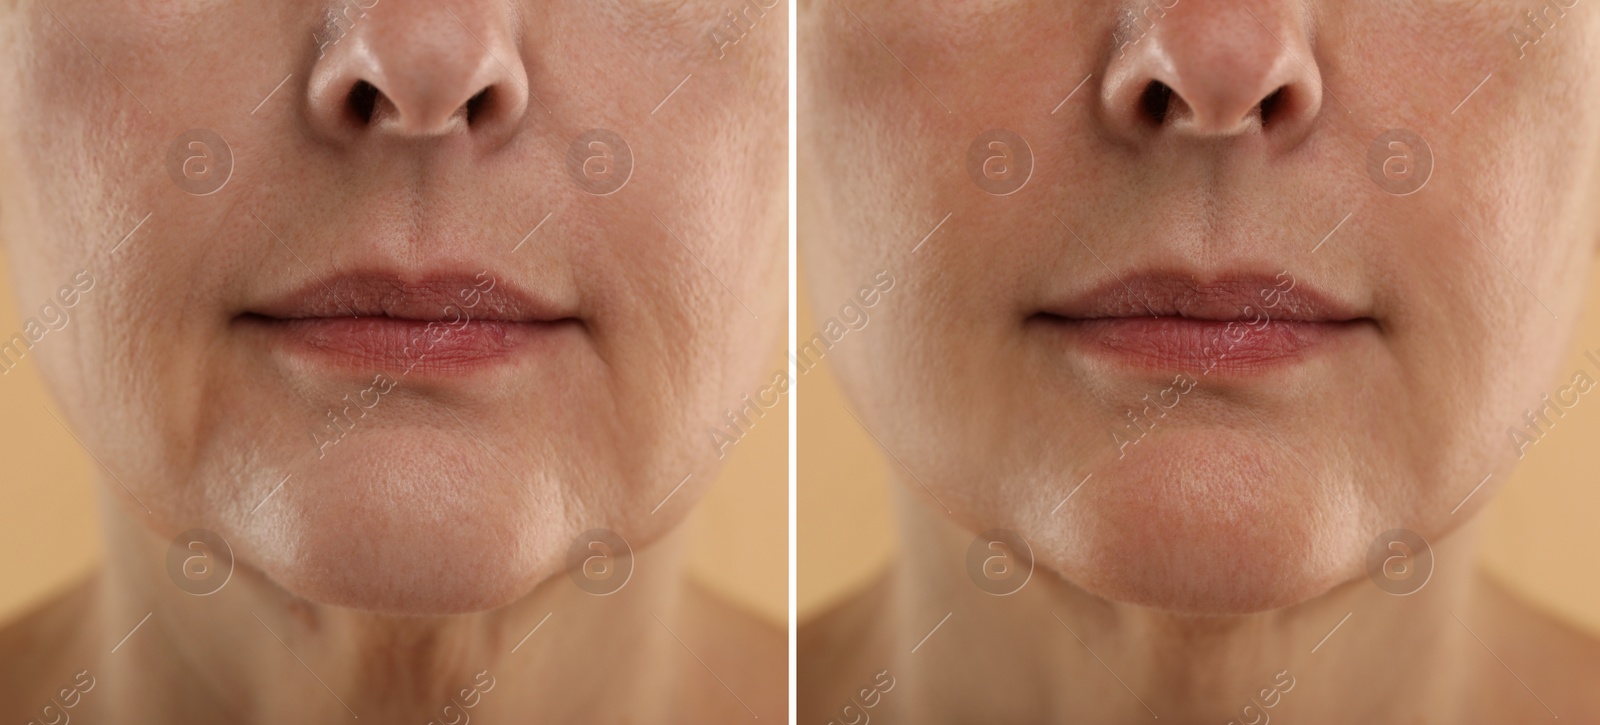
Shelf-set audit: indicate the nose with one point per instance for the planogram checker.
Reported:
(417, 68)
(1221, 68)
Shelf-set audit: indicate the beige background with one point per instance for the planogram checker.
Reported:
(49, 535)
(1541, 536)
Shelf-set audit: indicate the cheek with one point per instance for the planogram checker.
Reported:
(77, 151)
(93, 105)
(1499, 255)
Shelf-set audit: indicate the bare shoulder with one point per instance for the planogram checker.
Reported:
(747, 656)
(45, 647)
(1550, 666)
(842, 649)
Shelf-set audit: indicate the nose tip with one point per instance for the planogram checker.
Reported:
(1213, 70)
(412, 68)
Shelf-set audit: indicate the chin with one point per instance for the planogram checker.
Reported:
(1208, 522)
(411, 523)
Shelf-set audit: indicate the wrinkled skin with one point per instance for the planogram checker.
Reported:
(1204, 141)
(200, 423)
(1271, 485)
(409, 140)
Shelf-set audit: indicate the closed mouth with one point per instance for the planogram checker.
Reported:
(1237, 324)
(436, 324)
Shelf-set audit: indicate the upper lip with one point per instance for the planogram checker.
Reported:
(442, 296)
(1226, 298)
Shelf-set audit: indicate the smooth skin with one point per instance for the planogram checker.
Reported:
(380, 576)
(1180, 575)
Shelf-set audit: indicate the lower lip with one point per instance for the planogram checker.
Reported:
(407, 346)
(1204, 346)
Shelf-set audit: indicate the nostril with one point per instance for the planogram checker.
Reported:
(367, 105)
(422, 72)
(477, 104)
(1273, 105)
(1215, 71)
(1159, 105)
(1155, 102)
(363, 102)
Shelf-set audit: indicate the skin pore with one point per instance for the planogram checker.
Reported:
(597, 185)
(1198, 523)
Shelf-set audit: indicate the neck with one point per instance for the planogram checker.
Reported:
(253, 652)
(1054, 652)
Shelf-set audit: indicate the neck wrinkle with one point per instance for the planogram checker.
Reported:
(594, 658)
(1014, 659)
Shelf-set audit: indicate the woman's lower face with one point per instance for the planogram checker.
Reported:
(401, 347)
(404, 352)
(1228, 311)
